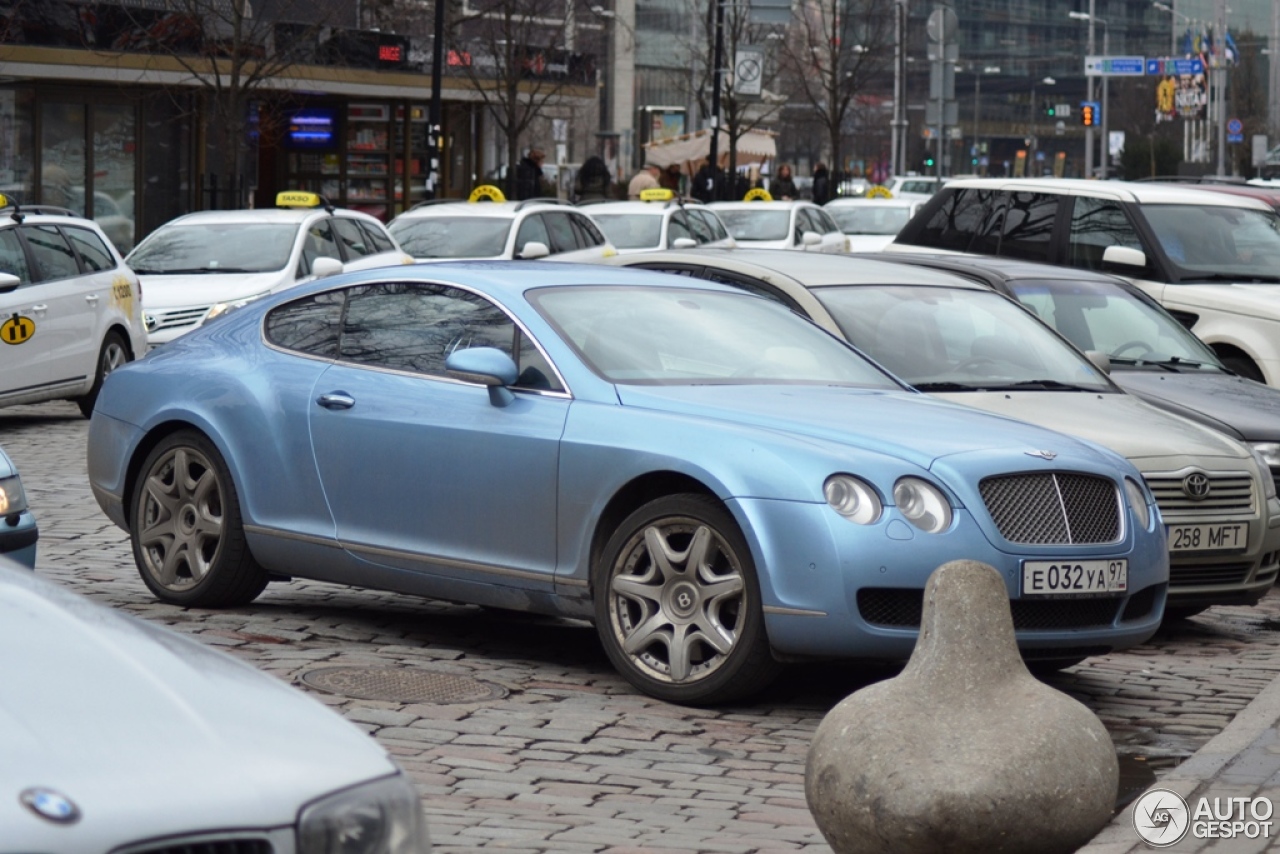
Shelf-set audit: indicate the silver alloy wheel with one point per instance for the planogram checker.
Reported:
(677, 601)
(181, 516)
(114, 356)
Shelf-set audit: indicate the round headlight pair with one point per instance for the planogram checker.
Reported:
(1138, 501)
(922, 503)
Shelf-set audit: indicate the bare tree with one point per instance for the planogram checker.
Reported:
(833, 50)
(231, 53)
(515, 55)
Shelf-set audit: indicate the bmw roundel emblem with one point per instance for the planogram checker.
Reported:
(50, 805)
(1196, 486)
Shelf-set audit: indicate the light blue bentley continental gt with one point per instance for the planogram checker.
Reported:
(716, 482)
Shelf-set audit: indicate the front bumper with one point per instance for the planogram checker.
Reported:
(18, 537)
(834, 589)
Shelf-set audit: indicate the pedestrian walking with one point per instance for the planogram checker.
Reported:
(645, 179)
(592, 183)
(821, 184)
(783, 186)
(530, 182)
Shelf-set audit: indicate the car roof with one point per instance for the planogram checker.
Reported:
(811, 269)
(260, 215)
(654, 207)
(761, 204)
(1007, 269)
(1127, 191)
(461, 207)
(872, 202)
(1270, 195)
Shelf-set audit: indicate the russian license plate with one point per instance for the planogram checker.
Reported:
(1074, 578)
(1208, 538)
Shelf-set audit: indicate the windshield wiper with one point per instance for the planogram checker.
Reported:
(1174, 362)
(187, 271)
(1036, 385)
(944, 386)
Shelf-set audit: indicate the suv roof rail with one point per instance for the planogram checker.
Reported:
(17, 211)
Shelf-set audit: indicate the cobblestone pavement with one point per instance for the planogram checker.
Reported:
(571, 759)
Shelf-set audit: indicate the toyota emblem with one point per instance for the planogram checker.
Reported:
(1196, 486)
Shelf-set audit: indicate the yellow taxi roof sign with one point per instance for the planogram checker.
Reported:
(879, 191)
(657, 194)
(4, 201)
(298, 199)
(487, 192)
(757, 194)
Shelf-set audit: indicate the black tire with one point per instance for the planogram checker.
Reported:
(187, 534)
(1042, 667)
(1174, 613)
(1243, 366)
(114, 353)
(643, 614)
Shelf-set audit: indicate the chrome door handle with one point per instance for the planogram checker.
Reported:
(336, 400)
(91, 298)
(40, 308)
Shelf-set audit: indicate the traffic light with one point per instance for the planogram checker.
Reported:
(929, 161)
(1050, 109)
(1090, 113)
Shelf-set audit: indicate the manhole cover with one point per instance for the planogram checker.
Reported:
(401, 685)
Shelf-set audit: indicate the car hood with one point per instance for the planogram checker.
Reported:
(1247, 299)
(164, 292)
(868, 242)
(902, 424)
(1235, 405)
(129, 720)
(1120, 422)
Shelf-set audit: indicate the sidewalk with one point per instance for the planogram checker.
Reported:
(1241, 761)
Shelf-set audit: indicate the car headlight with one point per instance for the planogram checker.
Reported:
(1138, 501)
(382, 817)
(222, 308)
(12, 498)
(1268, 456)
(923, 504)
(852, 498)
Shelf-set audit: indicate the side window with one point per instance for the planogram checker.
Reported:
(677, 227)
(828, 224)
(532, 229)
(560, 228)
(13, 258)
(718, 231)
(414, 327)
(352, 238)
(93, 252)
(54, 257)
(309, 325)
(954, 223)
(1028, 226)
(318, 243)
(535, 370)
(589, 234)
(375, 236)
(699, 230)
(1095, 225)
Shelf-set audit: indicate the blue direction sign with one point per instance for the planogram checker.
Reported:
(1115, 66)
(1173, 66)
(1235, 126)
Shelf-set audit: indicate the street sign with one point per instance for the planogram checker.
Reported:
(1175, 67)
(748, 66)
(1114, 66)
(1235, 126)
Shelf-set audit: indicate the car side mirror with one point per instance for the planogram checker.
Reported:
(1124, 256)
(534, 249)
(811, 238)
(683, 243)
(487, 366)
(325, 266)
(1100, 360)
(9, 282)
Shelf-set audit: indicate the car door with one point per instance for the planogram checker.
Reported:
(421, 471)
(68, 307)
(24, 354)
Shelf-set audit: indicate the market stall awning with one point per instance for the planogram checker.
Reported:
(689, 149)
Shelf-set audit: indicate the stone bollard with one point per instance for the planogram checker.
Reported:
(964, 751)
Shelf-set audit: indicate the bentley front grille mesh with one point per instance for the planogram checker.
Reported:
(1053, 508)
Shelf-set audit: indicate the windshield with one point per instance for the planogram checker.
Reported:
(956, 339)
(1217, 243)
(232, 247)
(684, 336)
(452, 237)
(631, 231)
(1105, 317)
(870, 220)
(756, 224)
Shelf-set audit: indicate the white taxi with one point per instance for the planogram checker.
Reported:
(659, 220)
(70, 309)
(759, 222)
(487, 226)
(201, 264)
